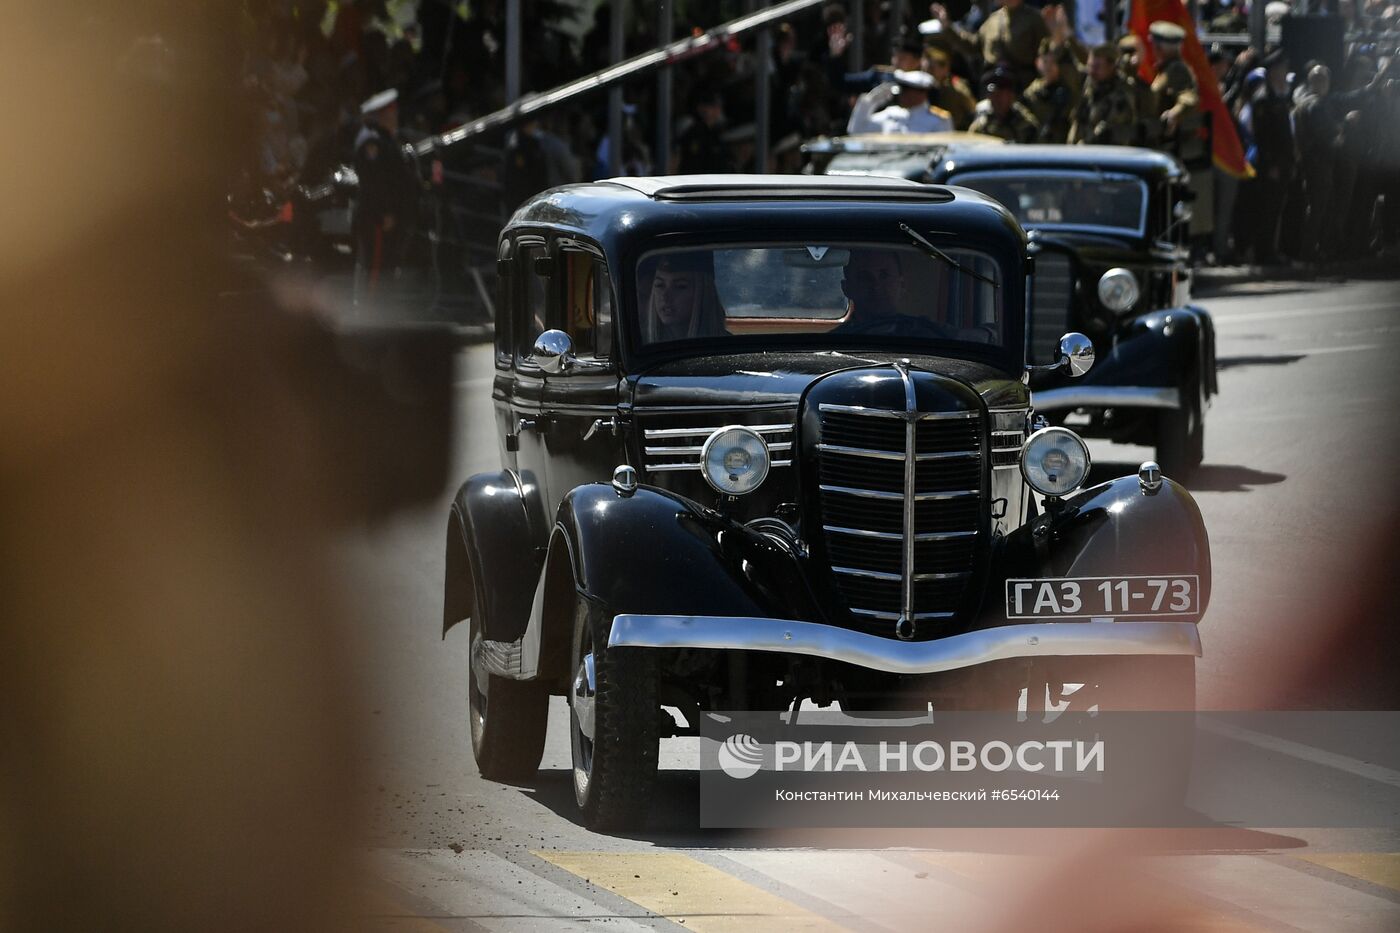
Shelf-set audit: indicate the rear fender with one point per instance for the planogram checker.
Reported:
(496, 532)
(1113, 529)
(653, 553)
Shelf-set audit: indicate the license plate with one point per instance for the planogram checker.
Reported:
(1106, 597)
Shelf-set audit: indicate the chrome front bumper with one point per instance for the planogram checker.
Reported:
(1105, 397)
(1039, 639)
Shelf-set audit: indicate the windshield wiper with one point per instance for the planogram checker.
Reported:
(937, 253)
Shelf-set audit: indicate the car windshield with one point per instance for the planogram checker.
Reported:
(1087, 200)
(844, 292)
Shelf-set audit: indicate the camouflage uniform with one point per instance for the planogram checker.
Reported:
(1013, 37)
(1147, 128)
(1071, 56)
(956, 98)
(1175, 89)
(1106, 114)
(1053, 106)
(1019, 125)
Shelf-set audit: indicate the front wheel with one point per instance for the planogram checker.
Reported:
(613, 723)
(508, 717)
(1181, 435)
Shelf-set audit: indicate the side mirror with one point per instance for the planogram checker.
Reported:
(553, 352)
(1076, 357)
(1076, 354)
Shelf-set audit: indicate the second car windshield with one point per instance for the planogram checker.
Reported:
(1064, 199)
(845, 291)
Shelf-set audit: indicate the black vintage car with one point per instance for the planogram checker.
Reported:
(1108, 228)
(767, 439)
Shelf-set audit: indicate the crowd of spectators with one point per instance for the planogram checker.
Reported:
(1324, 147)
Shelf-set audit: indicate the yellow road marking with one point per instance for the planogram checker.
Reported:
(682, 889)
(1382, 868)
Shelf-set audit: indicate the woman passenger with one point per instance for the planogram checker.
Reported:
(683, 302)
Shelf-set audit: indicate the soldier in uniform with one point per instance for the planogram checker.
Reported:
(1148, 131)
(1176, 95)
(1050, 97)
(875, 111)
(950, 92)
(1008, 118)
(1012, 36)
(387, 200)
(1106, 113)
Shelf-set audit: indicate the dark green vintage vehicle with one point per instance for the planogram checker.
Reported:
(1109, 232)
(769, 439)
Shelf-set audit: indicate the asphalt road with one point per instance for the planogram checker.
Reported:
(1298, 496)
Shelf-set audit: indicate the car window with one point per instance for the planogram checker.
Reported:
(534, 297)
(1087, 200)
(845, 291)
(503, 306)
(587, 305)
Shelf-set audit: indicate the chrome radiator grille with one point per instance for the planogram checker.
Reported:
(1052, 292)
(672, 449)
(901, 511)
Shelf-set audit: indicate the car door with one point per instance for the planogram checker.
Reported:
(583, 441)
(528, 423)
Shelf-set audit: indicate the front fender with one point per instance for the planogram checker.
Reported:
(496, 536)
(1113, 529)
(654, 553)
(1161, 349)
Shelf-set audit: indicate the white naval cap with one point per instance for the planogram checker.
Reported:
(379, 101)
(915, 79)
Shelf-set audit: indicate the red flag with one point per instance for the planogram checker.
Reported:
(1227, 153)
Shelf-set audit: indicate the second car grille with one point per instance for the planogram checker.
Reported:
(1052, 292)
(873, 502)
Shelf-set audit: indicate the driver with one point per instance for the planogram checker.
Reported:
(874, 284)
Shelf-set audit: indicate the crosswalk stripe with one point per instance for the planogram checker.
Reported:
(687, 891)
(494, 893)
(866, 884)
(1382, 868)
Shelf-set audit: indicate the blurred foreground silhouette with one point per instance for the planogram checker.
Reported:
(178, 450)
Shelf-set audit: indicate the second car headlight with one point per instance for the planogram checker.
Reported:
(1054, 461)
(1118, 289)
(734, 460)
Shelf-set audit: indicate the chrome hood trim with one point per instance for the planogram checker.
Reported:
(905, 657)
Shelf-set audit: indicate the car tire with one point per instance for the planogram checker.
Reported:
(508, 718)
(1181, 435)
(614, 726)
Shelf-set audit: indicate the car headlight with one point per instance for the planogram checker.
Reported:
(1118, 289)
(1054, 461)
(734, 460)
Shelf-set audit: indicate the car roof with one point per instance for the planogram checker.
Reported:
(619, 212)
(1128, 159)
(729, 187)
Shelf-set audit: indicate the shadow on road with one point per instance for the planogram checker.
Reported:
(676, 805)
(1215, 477)
(1239, 362)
